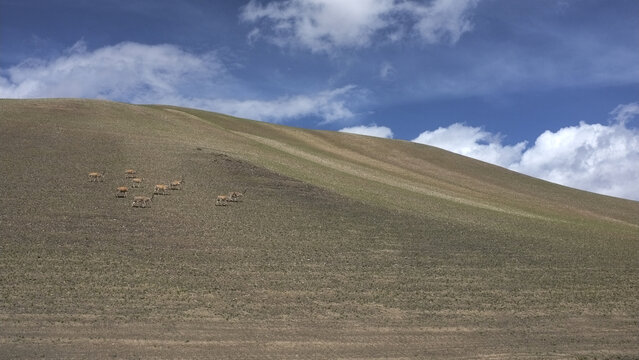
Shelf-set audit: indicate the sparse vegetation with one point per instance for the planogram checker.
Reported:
(434, 256)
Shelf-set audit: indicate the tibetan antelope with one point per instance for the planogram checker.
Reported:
(142, 201)
(236, 195)
(95, 176)
(221, 200)
(121, 191)
(177, 184)
(136, 182)
(129, 173)
(161, 189)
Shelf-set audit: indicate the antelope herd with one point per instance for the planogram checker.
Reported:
(159, 189)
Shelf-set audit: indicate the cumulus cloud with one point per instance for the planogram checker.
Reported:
(370, 130)
(161, 74)
(473, 142)
(594, 157)
(327, 25)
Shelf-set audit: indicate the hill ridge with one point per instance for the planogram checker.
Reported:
(595, 199)
(344, 246)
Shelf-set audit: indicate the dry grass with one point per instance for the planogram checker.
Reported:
(343, 247)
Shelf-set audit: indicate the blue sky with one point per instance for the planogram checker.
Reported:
(547, 88)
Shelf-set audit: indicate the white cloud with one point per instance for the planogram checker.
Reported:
(625, 112)
(370, 130)
(321, 24)
(126, 71)
(442, 20)
(329, 105)
(594, 157)
(160, 74)
(327, 25)
(472, 142)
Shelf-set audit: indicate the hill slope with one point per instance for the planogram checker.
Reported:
(344, 245)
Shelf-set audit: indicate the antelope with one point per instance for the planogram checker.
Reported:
(142, 201)
(221, 200)
(177, 184)
(236, 195)
(160, 189)
(136, 182)
(121, 191)
(129, 173)
(95, 176)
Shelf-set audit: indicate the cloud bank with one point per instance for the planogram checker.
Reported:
(329, 25)
(370, 130)
(594, 157)
(161, 74)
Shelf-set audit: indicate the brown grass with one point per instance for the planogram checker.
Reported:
(343, 247)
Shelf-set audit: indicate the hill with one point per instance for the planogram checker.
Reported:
(344, 246)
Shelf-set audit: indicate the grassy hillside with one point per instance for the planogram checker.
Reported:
(344, 245)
